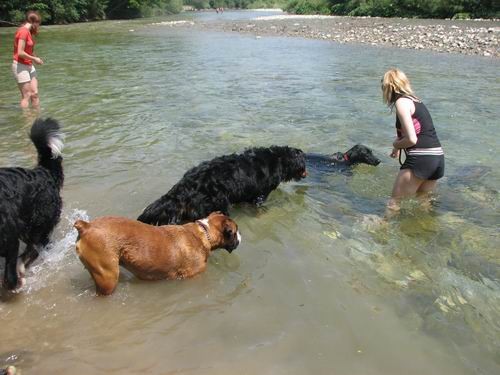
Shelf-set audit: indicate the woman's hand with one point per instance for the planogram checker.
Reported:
(395, 153)
(38, 60)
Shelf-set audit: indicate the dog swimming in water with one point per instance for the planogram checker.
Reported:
(341, 161)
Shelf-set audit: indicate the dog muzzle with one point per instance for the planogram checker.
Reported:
(230, 247)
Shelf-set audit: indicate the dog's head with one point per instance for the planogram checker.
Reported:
(229, 235)
(361, 154)
(293, 162)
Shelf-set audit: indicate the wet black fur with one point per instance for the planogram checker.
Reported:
(217, 184)
(30, 202)
(358, 154)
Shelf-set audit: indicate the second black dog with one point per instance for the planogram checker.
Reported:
(340, 162)
(217, 184)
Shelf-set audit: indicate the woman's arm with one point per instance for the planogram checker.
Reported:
(22, 53)
(404, 107)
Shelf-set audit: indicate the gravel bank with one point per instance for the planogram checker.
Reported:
(480, 37)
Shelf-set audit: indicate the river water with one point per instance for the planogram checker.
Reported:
(318, 285)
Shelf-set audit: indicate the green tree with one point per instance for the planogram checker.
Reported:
(416, 8)
(53, 11)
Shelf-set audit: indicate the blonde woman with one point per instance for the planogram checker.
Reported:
(416, 135)
(22, 66)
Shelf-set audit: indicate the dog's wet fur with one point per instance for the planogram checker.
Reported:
(30, 202)
(217, 184)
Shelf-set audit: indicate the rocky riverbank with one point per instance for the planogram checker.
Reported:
(466, 37)
(469, 37)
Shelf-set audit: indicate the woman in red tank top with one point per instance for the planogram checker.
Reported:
(416, 136)
(23, 59)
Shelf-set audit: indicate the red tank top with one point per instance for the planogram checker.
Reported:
(23, 34)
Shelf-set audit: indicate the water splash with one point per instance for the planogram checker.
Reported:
(53, 257)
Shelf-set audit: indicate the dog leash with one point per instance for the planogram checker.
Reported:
(205, 229)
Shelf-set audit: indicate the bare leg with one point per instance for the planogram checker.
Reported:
(424, 193)
(35, 99)
(406, 185)
(25, 89)
(427, 186)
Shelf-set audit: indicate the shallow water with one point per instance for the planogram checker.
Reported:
(317, 286)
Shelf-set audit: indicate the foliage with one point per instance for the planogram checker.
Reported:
(66, 11)
(268, 4)
(461, 16)
(53, 11)
(308, 7)
(141, 8)
(235, 4)
(416, 8)
(381, 8)
(198, 4)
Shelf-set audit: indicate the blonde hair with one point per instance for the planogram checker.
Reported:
(394, 85)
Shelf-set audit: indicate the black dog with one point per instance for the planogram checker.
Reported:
(341, 162)
(216, 184)
(30, 202)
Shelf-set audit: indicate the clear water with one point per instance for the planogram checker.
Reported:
(317, 286)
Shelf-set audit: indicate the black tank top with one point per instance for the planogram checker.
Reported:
(424, 127)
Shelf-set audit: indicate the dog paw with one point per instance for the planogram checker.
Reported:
(11, 370)
(21, 274)
(21, 283)
(10, 285)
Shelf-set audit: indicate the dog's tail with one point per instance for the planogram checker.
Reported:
(81, 226)
(48, 140)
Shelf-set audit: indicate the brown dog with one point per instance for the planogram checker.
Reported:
(150, 252)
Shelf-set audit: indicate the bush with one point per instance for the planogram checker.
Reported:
(267, 4)
(54, 11)
(308, 7)
(376, 8)
(198, 4)
(461, 16)
(415, 8)
(160, 8)
(173, 6)
(16, 16)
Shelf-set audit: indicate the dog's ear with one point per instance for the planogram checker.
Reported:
(216, 213)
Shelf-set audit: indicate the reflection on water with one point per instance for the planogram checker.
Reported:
(319, 283)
